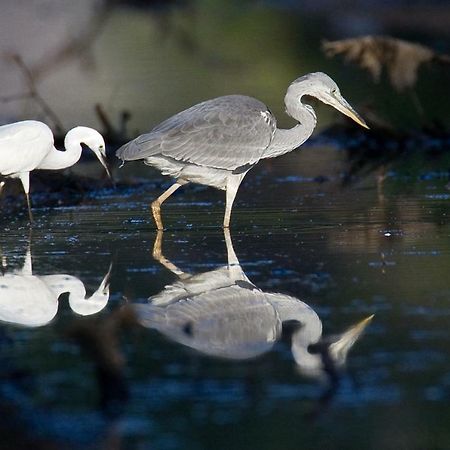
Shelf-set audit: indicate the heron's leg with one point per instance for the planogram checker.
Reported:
(157, 246)
(2, 185)
(232, 258)
(157, 254)
(156, 205)
(233, 184)
(234, 266)
(25, 179)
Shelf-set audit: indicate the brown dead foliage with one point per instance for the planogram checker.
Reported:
(401, 59)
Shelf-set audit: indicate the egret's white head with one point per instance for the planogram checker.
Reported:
(93, 139)
(322, 87)
(96, 302)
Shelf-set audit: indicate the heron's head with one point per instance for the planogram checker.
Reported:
(322, 87)
(94, 140)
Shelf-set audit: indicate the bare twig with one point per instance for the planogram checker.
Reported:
(15, 97)
(33, 92)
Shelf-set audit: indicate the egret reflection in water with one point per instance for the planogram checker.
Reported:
(32, 300)
(222, 313)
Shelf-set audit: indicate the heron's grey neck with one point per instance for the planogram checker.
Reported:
(285, 141)
(56, 159)
(309, 332)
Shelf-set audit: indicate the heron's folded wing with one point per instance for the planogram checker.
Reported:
(230, 322)
(224, 133)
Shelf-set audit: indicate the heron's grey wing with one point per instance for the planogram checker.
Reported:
(231, 322)
(224, 133)
(192, 286)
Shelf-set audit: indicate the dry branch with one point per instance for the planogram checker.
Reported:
(401, 59)
(32, 91)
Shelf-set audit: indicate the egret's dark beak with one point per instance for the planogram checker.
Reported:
(339, 102)
(101, 157)
(104, 286)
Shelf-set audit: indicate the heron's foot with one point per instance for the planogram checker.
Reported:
(156, 211)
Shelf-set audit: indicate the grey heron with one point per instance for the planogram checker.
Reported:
(29, 145)
(218, 141)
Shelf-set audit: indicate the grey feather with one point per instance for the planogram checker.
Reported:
(223, 133)
(229, 322)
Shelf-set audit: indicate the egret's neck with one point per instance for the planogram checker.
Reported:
(285, 141)
(62, 283)
(56, 159)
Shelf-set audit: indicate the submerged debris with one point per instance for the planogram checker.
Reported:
(384, 149)
(100, 339)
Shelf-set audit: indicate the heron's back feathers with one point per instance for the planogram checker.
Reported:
(223, 133)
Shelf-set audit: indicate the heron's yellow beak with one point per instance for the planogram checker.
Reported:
(339, 102)
(340, 348)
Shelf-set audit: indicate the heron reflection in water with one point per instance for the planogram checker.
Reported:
(222, 313)
(32, 300)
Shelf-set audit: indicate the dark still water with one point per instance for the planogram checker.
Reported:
(253, 340)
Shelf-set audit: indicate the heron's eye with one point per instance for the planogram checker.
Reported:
(333, 91)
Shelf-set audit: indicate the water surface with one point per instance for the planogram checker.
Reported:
(82, 374)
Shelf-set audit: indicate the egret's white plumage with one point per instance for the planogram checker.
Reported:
(32, 300)
(218, 141)
(29, 145)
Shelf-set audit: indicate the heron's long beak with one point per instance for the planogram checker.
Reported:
(339, 102)
(340, 348)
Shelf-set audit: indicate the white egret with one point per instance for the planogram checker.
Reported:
(29, 145)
